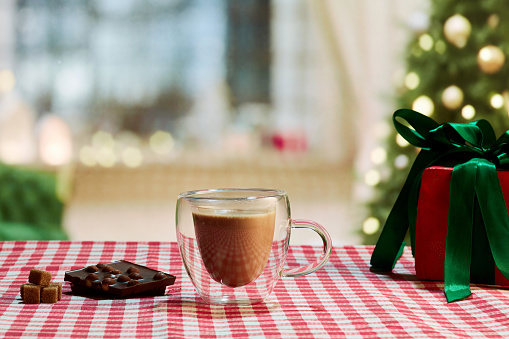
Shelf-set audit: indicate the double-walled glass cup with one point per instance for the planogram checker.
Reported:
(234, 242)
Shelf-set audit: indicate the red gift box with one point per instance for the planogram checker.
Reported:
(432, 219)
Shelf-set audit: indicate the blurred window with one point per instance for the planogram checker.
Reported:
(249, 51)
(136, 63)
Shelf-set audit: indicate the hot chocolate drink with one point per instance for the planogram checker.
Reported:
(235, 248)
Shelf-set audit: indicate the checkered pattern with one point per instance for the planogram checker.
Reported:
(341, 299)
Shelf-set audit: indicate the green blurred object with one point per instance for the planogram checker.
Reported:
(29, 206)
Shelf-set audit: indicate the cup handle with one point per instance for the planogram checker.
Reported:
(327, 248)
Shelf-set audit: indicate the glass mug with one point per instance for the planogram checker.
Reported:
(234, 242)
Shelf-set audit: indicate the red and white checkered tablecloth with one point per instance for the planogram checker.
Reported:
(343, 299)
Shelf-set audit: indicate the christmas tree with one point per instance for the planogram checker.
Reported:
(456, 71)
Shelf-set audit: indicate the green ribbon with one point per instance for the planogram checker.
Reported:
(477, 208)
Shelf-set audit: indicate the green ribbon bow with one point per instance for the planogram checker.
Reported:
(476, 205)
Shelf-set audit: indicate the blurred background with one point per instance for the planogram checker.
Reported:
(122, 104)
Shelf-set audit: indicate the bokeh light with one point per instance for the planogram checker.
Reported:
(132, 157)
(452, 97)
(401, 161)
(106, 156)
(401, 141)
(378, 155)
(161, 142)
(426, 42)
(423, 104)
(412, 80)
(103, 139)
(87, 156)
(372, 177)
(371, 225)
(468, 112)
(497, 101)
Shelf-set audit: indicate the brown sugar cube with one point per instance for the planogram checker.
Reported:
(39, 277)
(58, 285)
(49, 294)
(22, 288)
(31, 293)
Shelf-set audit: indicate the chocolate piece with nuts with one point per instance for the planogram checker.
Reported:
(119, 279)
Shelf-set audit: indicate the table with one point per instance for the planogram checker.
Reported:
(343, 299)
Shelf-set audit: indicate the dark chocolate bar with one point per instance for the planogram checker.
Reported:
(92, 293)
(119, 279)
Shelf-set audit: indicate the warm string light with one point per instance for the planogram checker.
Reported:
(378, 156)
(371, 225)
(426, 42)
(412, 80)
(372, 177)
(132, 157)
(452, 97)
(423, 104)
(468, 112)
(497, 101)
(161, 142)
(106, 150)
